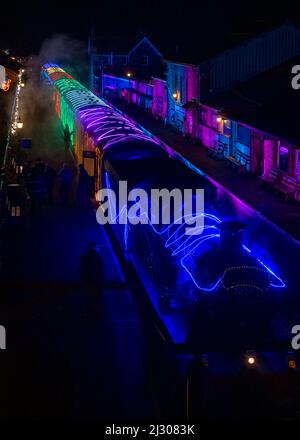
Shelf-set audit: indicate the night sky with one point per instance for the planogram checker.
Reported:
(187, 24)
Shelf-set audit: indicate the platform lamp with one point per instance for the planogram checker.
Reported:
(129, 76)
(175, 96)
(20, 123)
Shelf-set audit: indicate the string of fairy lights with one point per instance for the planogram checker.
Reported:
(15, 121)
(16, 118)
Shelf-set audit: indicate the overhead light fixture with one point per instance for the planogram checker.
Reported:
(129, 74)
(219, 119)
(20, 123)
(175, 95)
(251, 360)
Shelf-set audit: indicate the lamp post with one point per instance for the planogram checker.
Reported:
(129, 75)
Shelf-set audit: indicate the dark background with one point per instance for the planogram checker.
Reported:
(212, 24)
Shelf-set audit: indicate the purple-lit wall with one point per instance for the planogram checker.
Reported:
(160, 98)
(208, 127)
(152, 96)
(141, 94)
(115, 84)
(261, 152)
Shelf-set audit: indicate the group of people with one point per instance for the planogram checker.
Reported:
(41, 178)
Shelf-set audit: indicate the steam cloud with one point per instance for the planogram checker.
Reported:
(36, 102)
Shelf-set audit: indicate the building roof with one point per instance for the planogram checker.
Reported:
(9, 63)
(267, 102)
(196, 52)
(120, 45)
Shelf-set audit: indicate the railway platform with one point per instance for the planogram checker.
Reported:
(58, 363)
(246, 187)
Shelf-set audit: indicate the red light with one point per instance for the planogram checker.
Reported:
(292, 364)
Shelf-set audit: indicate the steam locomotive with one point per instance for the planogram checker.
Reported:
(199, 285)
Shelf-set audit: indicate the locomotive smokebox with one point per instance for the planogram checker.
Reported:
(231, 236)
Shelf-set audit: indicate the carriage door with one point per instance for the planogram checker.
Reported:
(89, 163)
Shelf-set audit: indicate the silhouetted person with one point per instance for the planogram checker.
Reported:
(27, 171)
(38, 167)
(50, 176)
(65, 176)
(37, 191)
(91, 276)
(67, 137)
(83, 187)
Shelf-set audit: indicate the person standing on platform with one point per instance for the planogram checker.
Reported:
(83, 187)
(67, 138)
(65, 177)
(38, 167)
(50, 176)
(37, 191)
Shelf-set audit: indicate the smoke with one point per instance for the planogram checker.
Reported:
(65, 51)
(61, 48)
(36, 104)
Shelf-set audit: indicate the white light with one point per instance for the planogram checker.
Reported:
(251, 360)
(20, 123)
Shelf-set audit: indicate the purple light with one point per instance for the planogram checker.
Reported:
(104, 125)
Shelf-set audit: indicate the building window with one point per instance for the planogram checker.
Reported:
(160, 105)
(227, 127)
(145, 60)
(283, 159)
(181, 88)
(243, 134)
(106, 60)
(297, 164)
(214, 121)
(203, 117)
(175, 82)
(186, 90)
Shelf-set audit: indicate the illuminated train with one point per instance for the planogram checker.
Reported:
(94, 125)
(189, 279)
